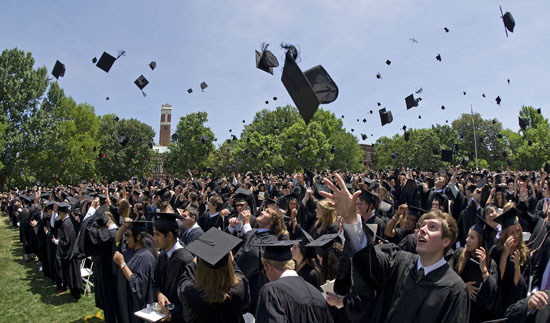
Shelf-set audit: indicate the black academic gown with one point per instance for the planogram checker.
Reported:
(134, 294)
(292, 299)
(196, 309)
(168, 274)
(310, 275)
(519, 313)
(43, 246)
(248, 258)
(70, 267)
(480, 308)
(507, 293)
(100, 243)
(206, 222)
(440, 296)
(188, 237)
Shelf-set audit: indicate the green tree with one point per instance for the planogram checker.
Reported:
(532, 116)
(118, 162)
(195, 143)
(21, 89)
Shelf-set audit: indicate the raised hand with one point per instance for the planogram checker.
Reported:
(343, 201)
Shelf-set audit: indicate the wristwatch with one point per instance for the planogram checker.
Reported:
(122, 265)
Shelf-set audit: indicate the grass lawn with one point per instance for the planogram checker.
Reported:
(25, 295)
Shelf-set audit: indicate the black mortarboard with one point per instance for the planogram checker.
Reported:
(175, 137)
(106, 61)
(203, 86)
(388, 62)
(277, 250)
(141, 82)
(407, 135)
(242, 194)
(25, 197)
(363, 136)
(50, 204)
(189, 90)
(265, 60)
(508, 218)
(166, 221)
(522, 123)
(385, 116)
(438, 57)
(539, 111)
(447, 155)
(446, 29)
(547, 168)
(307, 89)
(45, 195)
(213, 247)
(416, 211)
(410, 187)
(139, 226)
(101, 219)
(291, 197)
(123, 140)
(318, 188)
(58, 70)
(498, 100)
(323, 240)
(464, 160)
(153, 65)
(164, 194)
(63, 207)
(369, 197)
(411, 102)
(509, 22)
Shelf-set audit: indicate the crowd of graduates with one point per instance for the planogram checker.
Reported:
(404, 245)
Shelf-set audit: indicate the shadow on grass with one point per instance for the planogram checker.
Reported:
(38, 283)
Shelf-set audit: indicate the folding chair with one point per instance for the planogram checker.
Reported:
(86, 274)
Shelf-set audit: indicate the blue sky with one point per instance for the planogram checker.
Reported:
(214, 41)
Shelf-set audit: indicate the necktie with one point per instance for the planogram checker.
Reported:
(420, 274)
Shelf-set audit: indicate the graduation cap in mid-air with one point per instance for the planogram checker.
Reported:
(105, 62)
(388, 62)
(203, 86)
(175, 137)
(265, 60)
(58, 70)
(438, 57)
(498, 99)
(508, 20)
(189, 90)
(123, 140)
(447, 155)
(385, 116)
(411, 102)
(141, 83)
(363, 136)
(153, 65)
(522, 123)
(307, 89)
(547, 167)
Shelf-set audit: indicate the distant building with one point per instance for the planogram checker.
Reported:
(165, 124)
(368, 157)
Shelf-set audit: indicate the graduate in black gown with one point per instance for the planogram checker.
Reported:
(214, 290)
(99, 242)
(248, 257)
(66, 240)
(478, 271)
(532, 309)
(303, 258)
(288, 297)
(171, 265)
(137, 260)
(511, 255)
(409, 287)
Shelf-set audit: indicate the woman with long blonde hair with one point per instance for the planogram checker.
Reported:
(213, 290)
(325, 220)
(511, 255)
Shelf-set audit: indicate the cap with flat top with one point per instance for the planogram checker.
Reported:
(385, 116)
(447, 155)
(123, 140)
(277, 250)
(141, 82)
(411, 102)
(153, 65)
(265, 60)
(58, 70)
(323, 240)
(213, 247)
(106, 61)
(307, 89)
(508, 218)
(166, 221)
(63, 207)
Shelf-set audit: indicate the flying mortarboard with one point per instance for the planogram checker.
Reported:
(438, 57)
(498, 99)
(522, 123)
(385, 116)
(213, 247)
(447, 155)
(105, 62)
(508, 20)
(307, 89)
(58, 70)
(411, 102)
(141, 82)
(123, 140)
(153, 65)
(265, 60)
(189, 90)
(203, 86)
(388, 62)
